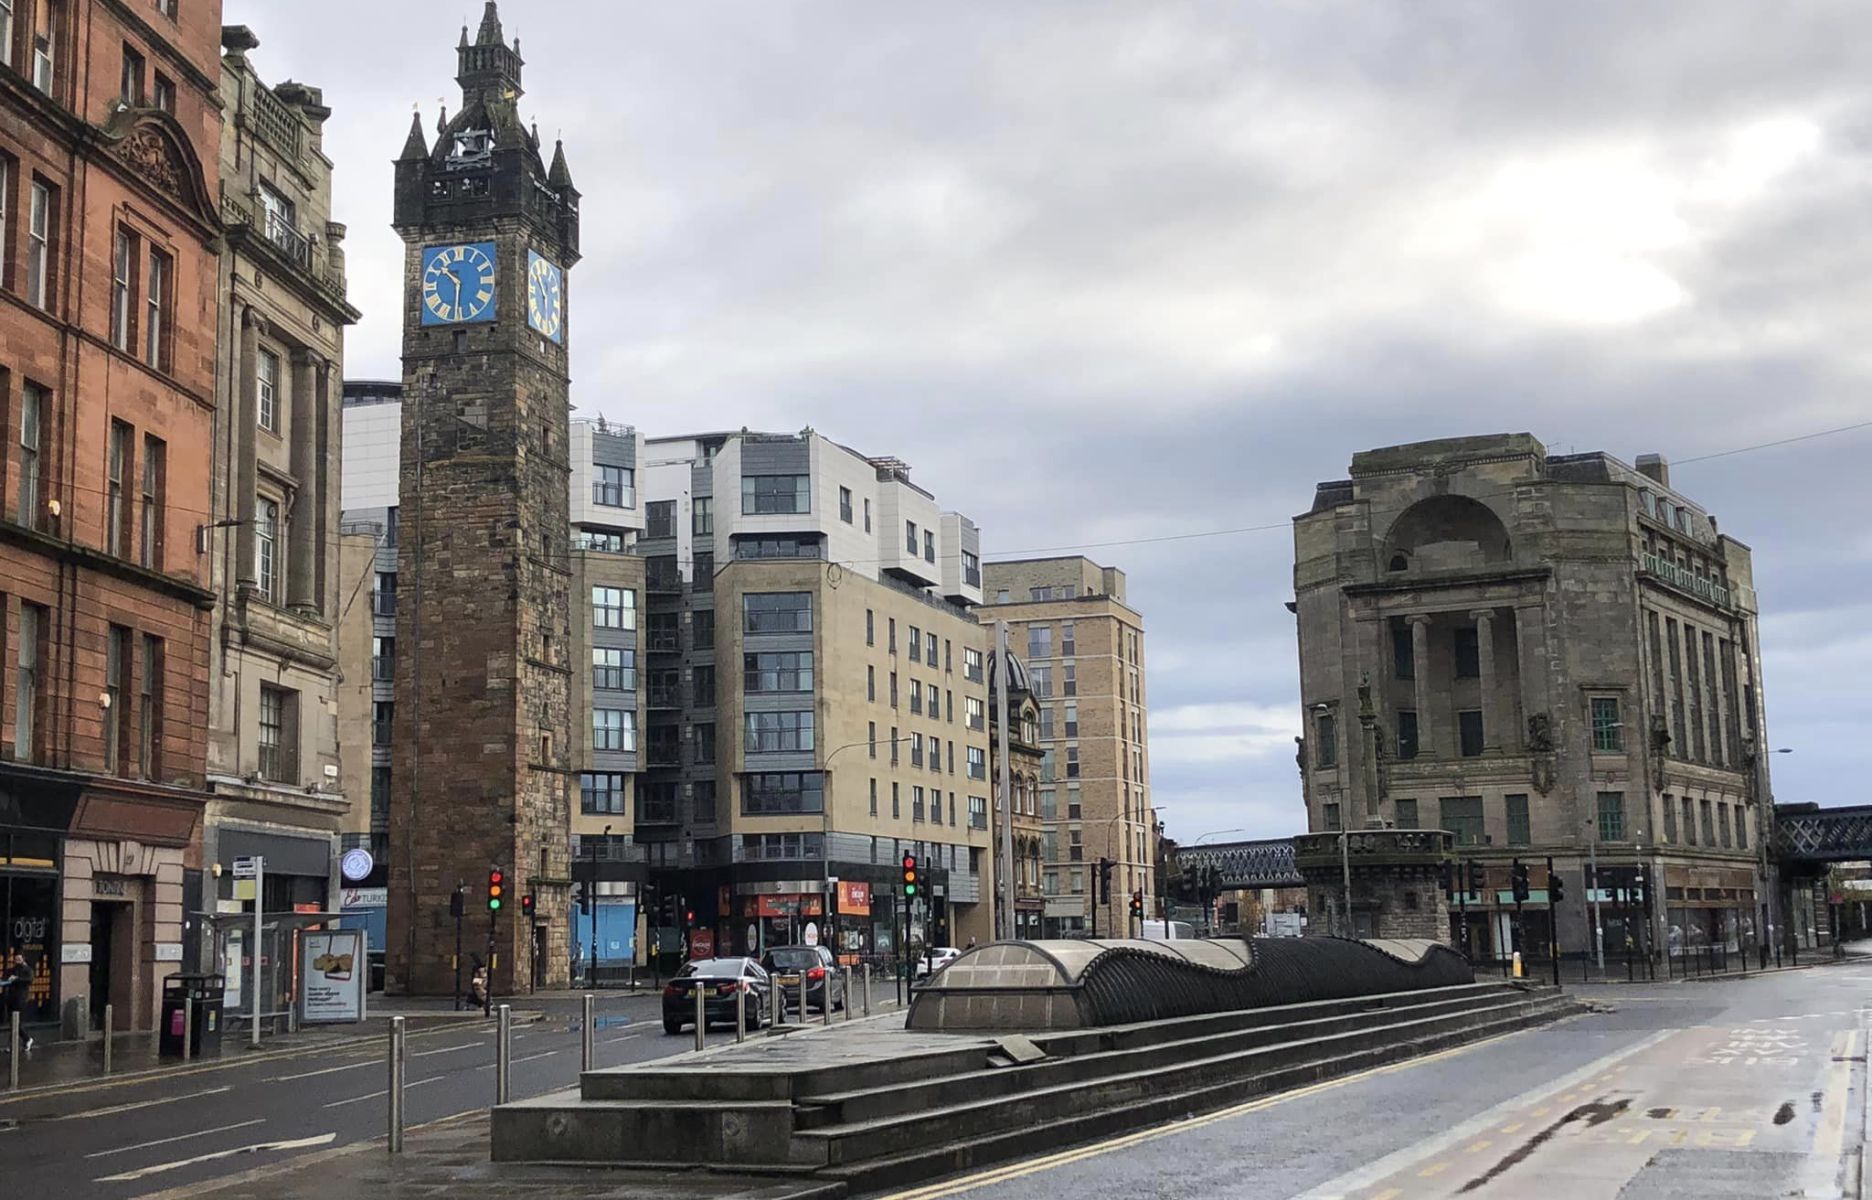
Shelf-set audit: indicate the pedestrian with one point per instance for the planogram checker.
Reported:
(19, 986)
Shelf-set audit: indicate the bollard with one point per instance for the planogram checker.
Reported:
(1517, 964)
(398, 1057)
(188, 1028)
(802, 997)
(701, 1015)
(825, 999)
(503, 1055)
(13, 1050)
(846, 993)
(585, 1049)
(867, 988)
(740, 1012)
(779, 1005)
(109, 1025)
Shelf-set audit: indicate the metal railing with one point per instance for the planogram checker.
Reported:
(288, 240)
(1700, 586)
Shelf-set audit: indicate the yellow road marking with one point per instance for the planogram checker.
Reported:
(953, 1187)
(1479, 1147)
(1433, 1169)
(1512, 1128)
(1388, 1194)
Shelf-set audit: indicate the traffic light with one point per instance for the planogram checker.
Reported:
(1477, 878)
(526, 905)
(1556, 887)
(458, 902)
(1105, 866)
(497, 888)
(688, 917)
(909, 876)
(1137, 903)
(1519, 879)
(1446, 875)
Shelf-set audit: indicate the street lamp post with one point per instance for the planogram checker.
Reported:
(1764, 834)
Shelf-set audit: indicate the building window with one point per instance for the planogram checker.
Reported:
(977, 712)
(705, 742)
(1462, 816)
(978, 812)
(155, 466)
(896, 802)
(916, 750)
(149, 709)
(782, 793)
(1403, 652)
(1611, 816)
(971, 568)
(614, 608)
(783, 671)
(660, 519)
(777, 612)
(1325, 740)
(779, 732)
(1689, 822)
(384, 594)
(130, 86)
(929, 546)
(1040, 681)
(32, 420)
(1046, 721)
(1469, 729)
(116, 714)
(614, 729)
(916, 698)
(613, 670)
(910, 536)
(776, 494)
(871, 737)
(1039, 641)
(44, 43)
(971, 664)
(1741, 827)
(1670, 818)
(867, 510)
(164, 93)
(916, 645)
(1519, 833)
(123, 287)
(1329, 817)
(1607, 729)
(116, 503)
(702, 686)
(39, 224)
(978, 762)
(1072, 720)
(6, 33)
(916, 804)
(383, 720)
(266, 546)
(1468, 653)
(266, 388)
(279, 734)
(1406, 811)
(383, 659)
(601, 793)
(613, 487)
(845, 505)
(874, 811)
(155, 307)
(870, 627)
(1072, 762)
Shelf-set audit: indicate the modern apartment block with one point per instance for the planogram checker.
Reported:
(1084, 652)
(110, 125)
(817, 698)
(274, 772)
(1545, 655)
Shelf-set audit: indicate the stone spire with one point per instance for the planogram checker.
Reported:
(559, 175)
(417, 147)
(490, 34)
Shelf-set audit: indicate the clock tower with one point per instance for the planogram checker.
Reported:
(481, 776)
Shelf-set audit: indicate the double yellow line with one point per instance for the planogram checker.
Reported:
(936, 1191)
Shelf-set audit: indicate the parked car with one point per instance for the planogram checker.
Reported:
(720, 979)
(935, 959)
(1168, 931)
(786, 965)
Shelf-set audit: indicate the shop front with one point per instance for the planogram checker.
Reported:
(778, 918)
(35, 813)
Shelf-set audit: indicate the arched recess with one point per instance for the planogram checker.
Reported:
(1446, 533)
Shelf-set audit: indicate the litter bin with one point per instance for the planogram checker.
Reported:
(207, 992)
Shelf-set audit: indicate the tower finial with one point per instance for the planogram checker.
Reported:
(490, 34)
(415, 147)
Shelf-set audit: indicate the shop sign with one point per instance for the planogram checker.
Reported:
(378, 897)
(854, 898)
(812, 934)
(333, 969)
(110, 885)
(168, 951)
(702, 943)
(357, 863)
(75, 952)
(789, 906)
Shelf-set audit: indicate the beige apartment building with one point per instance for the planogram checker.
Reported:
(276, 784)
(1084, 652)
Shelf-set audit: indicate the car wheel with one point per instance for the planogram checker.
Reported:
(670, 1026)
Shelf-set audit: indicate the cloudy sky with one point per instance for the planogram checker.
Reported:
(1170, 264)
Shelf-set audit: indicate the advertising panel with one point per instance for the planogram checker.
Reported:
(333, 970)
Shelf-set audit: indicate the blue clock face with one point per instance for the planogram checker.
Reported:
(545, 297)
(458, 283)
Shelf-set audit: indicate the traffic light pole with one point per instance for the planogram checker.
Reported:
(460, 907)
(1553, 923)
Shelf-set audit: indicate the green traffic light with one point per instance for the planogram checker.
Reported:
(909, 889)
(493, 905)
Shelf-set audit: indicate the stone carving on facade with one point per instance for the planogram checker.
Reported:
(149, 154)
(1540, 746)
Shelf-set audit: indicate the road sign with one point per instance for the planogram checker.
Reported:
(247, 868)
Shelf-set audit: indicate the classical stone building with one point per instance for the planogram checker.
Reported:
(1025, 761)
(1545, 655)
(1084, 651)
(273, 764)
(110, 123)
(482, 753)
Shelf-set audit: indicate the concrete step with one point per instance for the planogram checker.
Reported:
(921, 1165)
(1133, 1083)
(1132, 1053)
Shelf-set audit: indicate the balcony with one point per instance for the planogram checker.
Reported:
(288, 240)
(667, 696)
(1700, 586)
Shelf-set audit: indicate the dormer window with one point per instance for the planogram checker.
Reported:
(1647, 501)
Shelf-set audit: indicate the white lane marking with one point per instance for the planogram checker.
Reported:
(384, 1092)
(324, 1071)
(123, 1108)
(516, 1062)
(1391, 1164)
(448, 1049)
(180, 1137)
(323, 1139)
(1829, 1145)
(625, 1038)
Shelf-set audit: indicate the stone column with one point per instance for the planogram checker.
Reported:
(1532, 668)
(302, 527)
(1420, 678)
(1485, 658)
(246, 430)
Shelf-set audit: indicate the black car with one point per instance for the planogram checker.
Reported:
(786, 964)
(720, 979)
